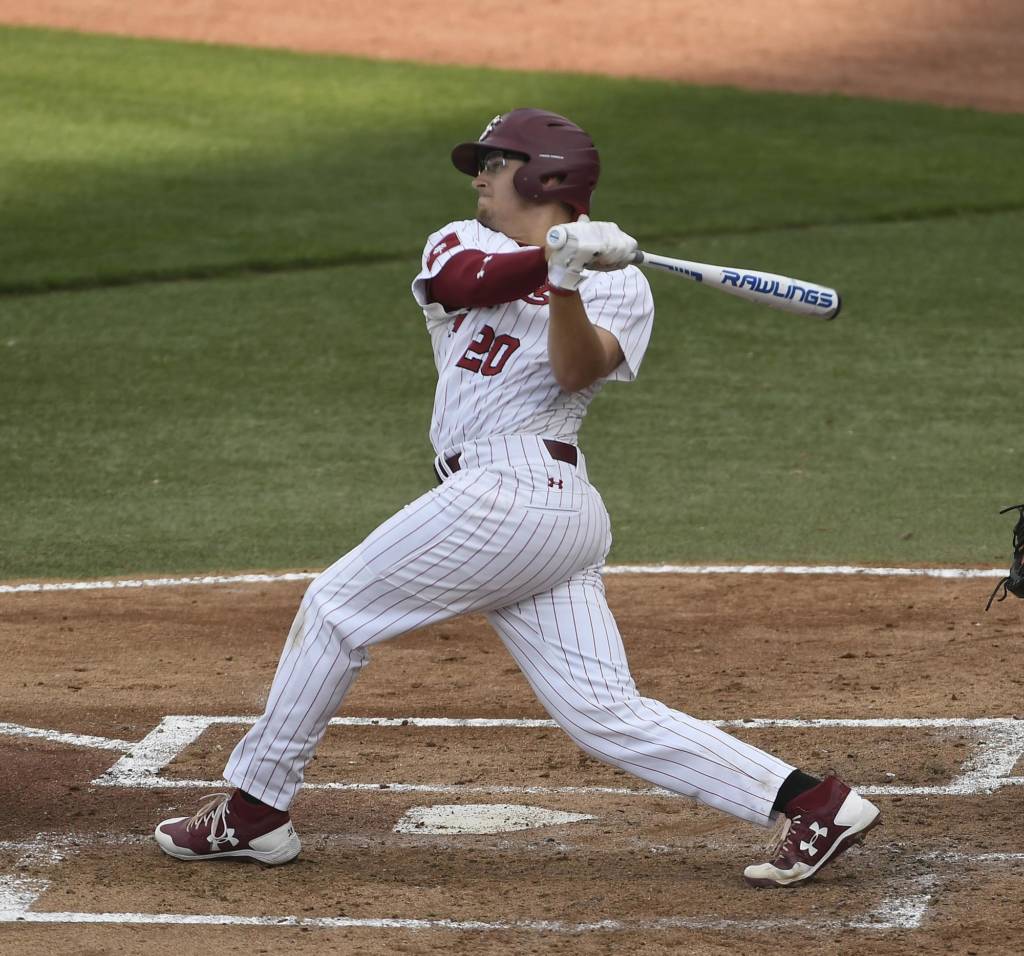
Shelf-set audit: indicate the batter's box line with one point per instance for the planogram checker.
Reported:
(1000, 745)
(19, 894)
(75, 740)
(893, 913)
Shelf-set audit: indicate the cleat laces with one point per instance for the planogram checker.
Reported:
(780, 838)
(214, 812)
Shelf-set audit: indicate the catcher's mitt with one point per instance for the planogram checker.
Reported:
(1014, 581)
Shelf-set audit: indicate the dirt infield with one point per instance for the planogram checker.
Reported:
(952, 52)
(883, 658)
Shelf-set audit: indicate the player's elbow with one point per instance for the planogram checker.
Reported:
(576, 379)
(581, 370)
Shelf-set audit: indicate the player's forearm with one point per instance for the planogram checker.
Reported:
(577, 355)
(474, 279)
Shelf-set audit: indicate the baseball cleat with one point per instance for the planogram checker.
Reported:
(818, 825)
(230, 827)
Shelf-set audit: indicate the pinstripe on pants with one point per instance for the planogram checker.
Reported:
(496, 537)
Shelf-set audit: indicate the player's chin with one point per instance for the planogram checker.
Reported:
(484, 216)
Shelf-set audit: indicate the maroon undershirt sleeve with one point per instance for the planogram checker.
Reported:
(471, 279)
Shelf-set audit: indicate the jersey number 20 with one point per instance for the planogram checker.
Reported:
(493, 351)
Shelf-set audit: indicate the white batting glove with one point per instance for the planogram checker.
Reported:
(617, 248)
(586, 245)
(571, 248)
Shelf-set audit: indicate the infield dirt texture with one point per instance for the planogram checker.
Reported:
(184, 396)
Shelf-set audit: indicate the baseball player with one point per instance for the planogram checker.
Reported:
(524, 336)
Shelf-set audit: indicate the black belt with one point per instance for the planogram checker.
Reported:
(559, 450)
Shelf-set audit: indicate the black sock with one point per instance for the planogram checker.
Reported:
(249, 799)
(796, 783)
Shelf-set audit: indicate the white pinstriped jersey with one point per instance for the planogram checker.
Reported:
(494, 377)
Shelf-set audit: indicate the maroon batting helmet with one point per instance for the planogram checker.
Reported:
(551, 146)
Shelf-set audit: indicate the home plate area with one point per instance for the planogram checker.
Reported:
(497, 826)
(482, 818)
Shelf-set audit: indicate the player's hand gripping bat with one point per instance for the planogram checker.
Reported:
(765, 288)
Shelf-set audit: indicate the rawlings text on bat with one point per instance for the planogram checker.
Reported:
(779, 292)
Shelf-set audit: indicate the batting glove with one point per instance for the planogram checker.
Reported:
(575, 246)
(617, 248)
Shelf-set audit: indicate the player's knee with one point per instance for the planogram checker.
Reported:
(323, 618)
(347, 640)
(597, 717)
(586, 723)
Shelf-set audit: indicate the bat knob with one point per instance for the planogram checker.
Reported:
(557, 237)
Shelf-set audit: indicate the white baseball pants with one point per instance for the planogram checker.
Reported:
(521, 537)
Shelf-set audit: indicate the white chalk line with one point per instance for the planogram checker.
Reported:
(902, 914)
(18, 894)
(118, 584)
(49, 848)
(56, 736)
(753, 723)
(215, 579)
(165, 783)
(54, 847)
(999, 747)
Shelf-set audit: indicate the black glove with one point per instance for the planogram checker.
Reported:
(1014, 581)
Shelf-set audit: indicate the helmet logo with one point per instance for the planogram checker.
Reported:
(490, 128)
(549, 156)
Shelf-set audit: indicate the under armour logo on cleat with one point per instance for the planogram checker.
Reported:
(229, 837)
(818, 831)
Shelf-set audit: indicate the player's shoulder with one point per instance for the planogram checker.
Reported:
(457, 225)
(472, 234)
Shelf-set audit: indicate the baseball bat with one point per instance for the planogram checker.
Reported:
(796, 296)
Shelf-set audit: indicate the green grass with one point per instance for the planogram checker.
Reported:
(125, 159)
(210, 425)
(881, 437)
(272, 420)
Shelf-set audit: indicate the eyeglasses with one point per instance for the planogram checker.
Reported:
(493, 161)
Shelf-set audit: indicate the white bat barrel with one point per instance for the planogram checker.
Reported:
(764, 288)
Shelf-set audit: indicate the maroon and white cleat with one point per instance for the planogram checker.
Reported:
(818, 825)
(230, 827)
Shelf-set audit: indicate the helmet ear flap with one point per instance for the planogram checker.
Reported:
(528, 186)
(573, 187)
